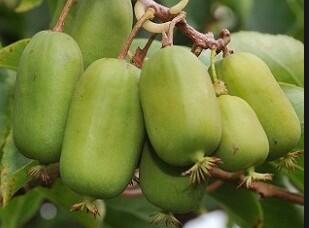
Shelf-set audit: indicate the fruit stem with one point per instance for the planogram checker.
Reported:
(65, 11)
(140, 54)
(213, 65)
(149, 14)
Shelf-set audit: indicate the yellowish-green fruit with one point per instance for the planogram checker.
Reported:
(49, 69)
(249, 77)
(100, 27)
(181, 111)
(164, 186)
(244, 142)
(105, 132)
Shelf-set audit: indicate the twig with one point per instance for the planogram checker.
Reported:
(169, 41)
(265, 190)
(65, 11)
(214, 186)
(201, 40)
(149, 14)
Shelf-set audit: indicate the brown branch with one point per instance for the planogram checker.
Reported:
(265, 190)
(65, 11)
(149, 14)
(214, 186)
(204, 41)
(169, 38)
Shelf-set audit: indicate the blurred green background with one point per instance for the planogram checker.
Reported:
(22, 19)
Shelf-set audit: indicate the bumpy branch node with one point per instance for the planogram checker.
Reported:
(200, 40)
(150, 26)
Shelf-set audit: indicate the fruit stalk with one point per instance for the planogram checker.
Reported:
(149, 14)
(168, 39)
(66, 9)
(141, 53)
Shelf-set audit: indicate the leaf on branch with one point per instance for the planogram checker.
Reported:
(20, 210)
(243, 206)
(26, 5)
(136, 210)
(7, 81)
(63, 197)
(282, 214)
(14, 170)
(10, 55)
(283, 54)
(296, 96)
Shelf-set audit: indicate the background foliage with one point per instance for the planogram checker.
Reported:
(49, 207)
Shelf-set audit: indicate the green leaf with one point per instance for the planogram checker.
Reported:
(134, 211)
(242, 205)
(297, 176)
(26, 5)
(297, 97)
(20, 210)
(10, 55)
(63, 197)
(278, 213)
(241, 7)
(14, 170)
(284, 55)
(7, 81)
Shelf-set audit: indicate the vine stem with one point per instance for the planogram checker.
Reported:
(65, 12)
(265, 190)
(200, 40)
(149, 14)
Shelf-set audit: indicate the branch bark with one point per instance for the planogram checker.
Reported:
(201, 40)
(265, 190)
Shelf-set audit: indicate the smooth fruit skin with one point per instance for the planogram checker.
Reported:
(48, 71)
(249, 77)
(244, 142)
(105, 132)
(181, 111)
(164, 186)
(100, 27)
